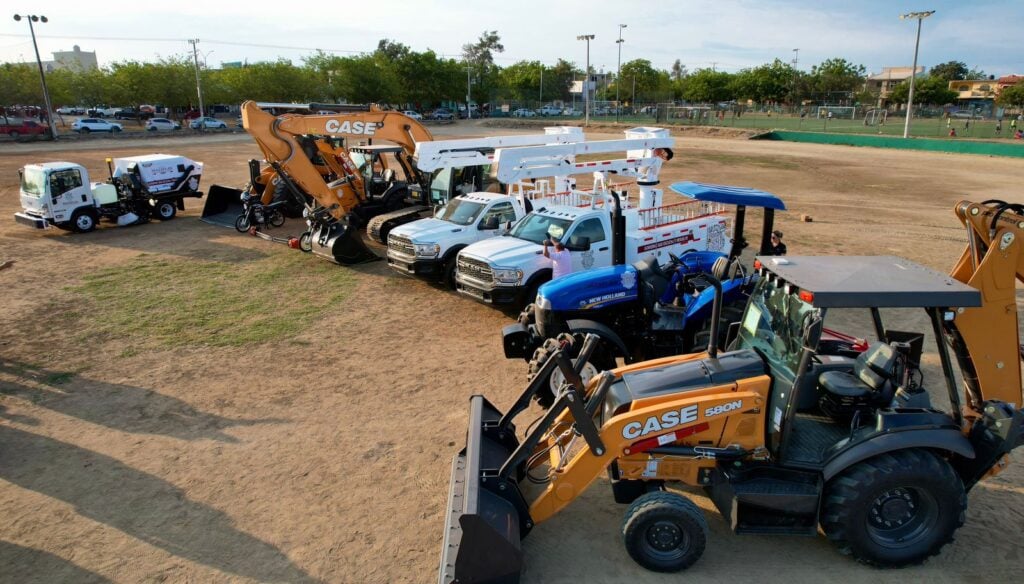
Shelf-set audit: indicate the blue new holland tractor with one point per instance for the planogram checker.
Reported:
(627, 305)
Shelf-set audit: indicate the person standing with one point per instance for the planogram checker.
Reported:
(561, 259)
(778, 248)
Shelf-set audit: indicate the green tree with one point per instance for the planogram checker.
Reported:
(481, 53)
(562, 74)
(651, 84)
(836, 76)
(1012, 96)
(927, 90)
(521, 80)
(19, 84)
(773, 82)
(707, 85)
(950, 70)
(678, 71)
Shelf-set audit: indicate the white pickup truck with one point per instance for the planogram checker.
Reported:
(428, 247)
(599, 229)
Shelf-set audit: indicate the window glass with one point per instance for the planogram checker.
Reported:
(62, 181)
(592, 229)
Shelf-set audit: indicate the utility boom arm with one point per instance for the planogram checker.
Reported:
(515, 164)
(431, 156)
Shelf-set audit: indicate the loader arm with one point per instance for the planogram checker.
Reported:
(277, 139)
(992, 262)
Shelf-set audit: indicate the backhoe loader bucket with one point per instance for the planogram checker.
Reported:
(487, 517)
(340, 243)
(223, 205)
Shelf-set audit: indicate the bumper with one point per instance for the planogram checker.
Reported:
(489, 295)
(31, 220)
(424, 268)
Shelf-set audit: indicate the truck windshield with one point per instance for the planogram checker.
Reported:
(33, 182)
(460, 212)
(537, 228)
(439, 185)
(773, 325)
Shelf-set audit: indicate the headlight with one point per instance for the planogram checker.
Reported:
(427, 250)
(508, 275)
(543, 303)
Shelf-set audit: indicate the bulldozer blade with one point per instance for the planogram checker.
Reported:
(223, 205)
(486, 518)
(341, 244)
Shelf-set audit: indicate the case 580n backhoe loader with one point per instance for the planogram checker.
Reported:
(310, 163)
(781, 440)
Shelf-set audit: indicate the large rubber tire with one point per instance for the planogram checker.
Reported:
(526, 315)
(115, 130)
(449, 271)
(165, 210)
(242, 223)
(84, 220)
(276, 218)
(896, 509)
(664, 532)
(293, 208)
(600, 360)
(84, 131)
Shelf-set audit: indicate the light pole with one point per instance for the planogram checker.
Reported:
(542, 84)
(586, 80)
(796, 61)
(199, 84)
(919, 16)
(42, 77)
(469, 112)
(618, 72)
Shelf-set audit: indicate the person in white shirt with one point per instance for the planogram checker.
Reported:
(561, 259)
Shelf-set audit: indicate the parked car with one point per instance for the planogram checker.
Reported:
(964, 115)
(71, 111)
(207, 123)
(524, 113)
(550, 110)
(571, 111)
(162, 125)
(442, 114)
(102, 111)
(412, 115)
(25, 128)
(86, 125)
(191, 115)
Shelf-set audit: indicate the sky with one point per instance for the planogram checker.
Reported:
(727, 35)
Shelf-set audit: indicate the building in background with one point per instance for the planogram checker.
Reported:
(74, 60)
(882, 84)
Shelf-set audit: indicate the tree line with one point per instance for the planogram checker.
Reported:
(395, 74)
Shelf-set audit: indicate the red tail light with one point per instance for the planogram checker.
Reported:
(807, 296)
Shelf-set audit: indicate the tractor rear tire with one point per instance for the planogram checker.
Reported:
(600, 360)
(664, 532)
(896, 509)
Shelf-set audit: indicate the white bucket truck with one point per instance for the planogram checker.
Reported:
(139, 188)
(599, 228)
(428, 247)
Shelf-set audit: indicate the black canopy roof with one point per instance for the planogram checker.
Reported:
(871, 281)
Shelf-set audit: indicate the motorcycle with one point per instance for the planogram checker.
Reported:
(256, 214)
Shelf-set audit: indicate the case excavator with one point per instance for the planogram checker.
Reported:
(783, 437)
(310, 165)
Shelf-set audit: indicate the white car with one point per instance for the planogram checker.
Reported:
(550, 110)
(412, 114)
(524, 113)
(86, 125)
(71, 111)
(162, 125)
(569, 111)
(207, 123)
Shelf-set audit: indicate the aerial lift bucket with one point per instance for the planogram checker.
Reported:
(487, 514)
(223, 205)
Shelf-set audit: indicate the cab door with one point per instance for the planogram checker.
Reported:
(67, 193)
(594, 232)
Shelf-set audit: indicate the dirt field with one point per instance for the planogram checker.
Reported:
(138, 453)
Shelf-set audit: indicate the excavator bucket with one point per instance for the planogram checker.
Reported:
(223, 205)
(484, 523)
(340, 243)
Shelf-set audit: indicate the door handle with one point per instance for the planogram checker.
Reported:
(602, 249)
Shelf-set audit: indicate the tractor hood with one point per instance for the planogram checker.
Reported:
(593, 289)
(505, 251)
(427, 230)
(698, 373)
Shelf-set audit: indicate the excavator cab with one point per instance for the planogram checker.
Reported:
(783, 437)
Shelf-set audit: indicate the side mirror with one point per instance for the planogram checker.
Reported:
(489, 223)
(579, 243)
(508, 226)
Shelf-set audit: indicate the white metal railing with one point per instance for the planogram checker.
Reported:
(677, 212)
(596, 198)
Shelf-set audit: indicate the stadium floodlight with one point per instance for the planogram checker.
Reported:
(42, 77)
(618, 75)
(919, 16)
(586, 82)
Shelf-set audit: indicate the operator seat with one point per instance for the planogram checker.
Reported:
(652, 280)
(869, 386)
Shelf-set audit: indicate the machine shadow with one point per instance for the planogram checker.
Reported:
(119, 407)
(141, 505)
(27, 565)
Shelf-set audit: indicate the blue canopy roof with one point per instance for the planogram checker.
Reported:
(729, 195)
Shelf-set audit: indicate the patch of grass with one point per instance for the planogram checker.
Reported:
(741, 160)
(59, 377)
(175, 302)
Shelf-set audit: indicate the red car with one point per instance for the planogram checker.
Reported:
(25, 128)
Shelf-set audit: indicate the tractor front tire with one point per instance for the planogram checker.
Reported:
(600, 360)
(664, 532)
(895, 509)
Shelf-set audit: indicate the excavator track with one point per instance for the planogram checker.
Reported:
(378, 227)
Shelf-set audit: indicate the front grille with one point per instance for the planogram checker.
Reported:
(475, 269)
(401, 244)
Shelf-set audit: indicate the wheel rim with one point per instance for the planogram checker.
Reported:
(557, 378)
(902, 516)
(166, 210)
(84, 222)
(665, 540)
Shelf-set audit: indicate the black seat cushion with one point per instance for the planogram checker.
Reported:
(872, 370)
(843, 384)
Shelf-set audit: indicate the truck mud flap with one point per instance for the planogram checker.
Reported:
(486, 517)
(341, 244)
(222, 206)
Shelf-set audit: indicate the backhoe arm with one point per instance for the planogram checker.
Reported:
(992, 262)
